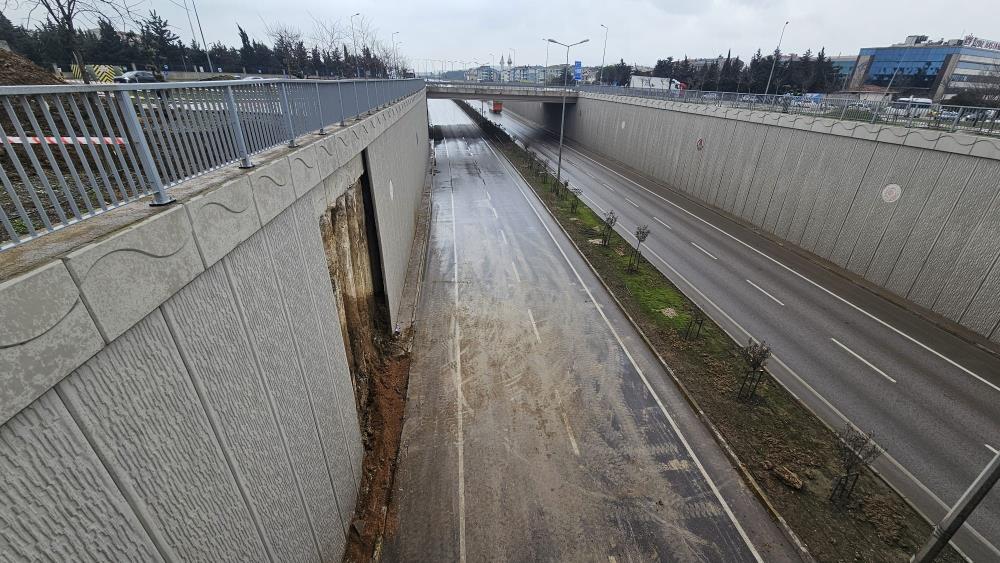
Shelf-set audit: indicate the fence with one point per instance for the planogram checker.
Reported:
(71, 152)
(905, 112)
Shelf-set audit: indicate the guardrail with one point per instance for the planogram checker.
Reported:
(72, 152)
(976, 120)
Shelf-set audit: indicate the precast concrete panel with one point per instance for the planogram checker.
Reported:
(958, 228)
(979, 250)
(322, 488)
(57, 501)
(860, 207)
(828, 179)
(930, 223)
(263, 305)
(786, 181)
(330, 379)
(744, 152)
(801, 192)
(904, 219)
(759, 137)
(312, 247)
(880, 215)
(135, 402)
(722, 161)
(983, 313)
(211, 339)
(844, 196)
(769, 162)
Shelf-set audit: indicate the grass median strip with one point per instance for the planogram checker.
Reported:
(793, 456)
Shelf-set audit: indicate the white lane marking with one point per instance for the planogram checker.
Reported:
(607, 186)
(516, 275)
(632, 202)
(800, 275)
(458, 390)
(703, 250)
(761, 289)
(662, 223)
(503, 236)
(494, 212)
(866, 362)
(534, 326)
(569, 430)
(885, 455)
(594, 202)
(992, 449)
(635, 366)
(611, 559)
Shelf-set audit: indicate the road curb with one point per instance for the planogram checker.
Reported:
(748, 477)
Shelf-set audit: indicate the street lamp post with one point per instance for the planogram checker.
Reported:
(357, 69)
(395, 59)
(562, 121)
(600, 73)
(777, 50)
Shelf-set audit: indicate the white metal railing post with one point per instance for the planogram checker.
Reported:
(237, 125)
(286, 109)
(319, 107)
(340, 94)
(160, 195)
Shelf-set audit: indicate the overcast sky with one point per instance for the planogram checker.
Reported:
(640, 30)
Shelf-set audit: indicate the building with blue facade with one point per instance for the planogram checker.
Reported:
(933, 69)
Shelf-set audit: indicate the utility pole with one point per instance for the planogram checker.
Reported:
(562, 121)
(204, 45)
(545, 71)
(942, 533)
(777, 50)
(600, 73)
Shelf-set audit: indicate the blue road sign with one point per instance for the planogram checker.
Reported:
(577, 70)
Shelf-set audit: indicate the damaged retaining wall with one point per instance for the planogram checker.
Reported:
(818, 183)
(178, 389)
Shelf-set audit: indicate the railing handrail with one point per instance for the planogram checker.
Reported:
(72, 151)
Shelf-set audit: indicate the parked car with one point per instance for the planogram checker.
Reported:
(947, 114)
(748, 98)
(139, 76)
(859, 106)
(711, 96)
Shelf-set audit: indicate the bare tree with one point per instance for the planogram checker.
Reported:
(755, 355)
(610, 218)
(285, 39)
(574, 201)
(641, 233)
(67, 14)
(857, 450)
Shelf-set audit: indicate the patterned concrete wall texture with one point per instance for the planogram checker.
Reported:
(179, 390)
(829, 187)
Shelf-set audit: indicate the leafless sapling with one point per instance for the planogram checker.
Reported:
(641, 232)
(857, 449)
(575, 200)
(755, 355)
(610, 218)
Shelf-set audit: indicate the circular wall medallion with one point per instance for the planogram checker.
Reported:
(700, 144)
(891, 193)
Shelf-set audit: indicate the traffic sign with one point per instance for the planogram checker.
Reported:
(578, 70)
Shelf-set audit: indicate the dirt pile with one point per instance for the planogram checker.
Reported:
(16, 70)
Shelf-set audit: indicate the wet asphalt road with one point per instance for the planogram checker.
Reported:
(538, 428)
(932, 399)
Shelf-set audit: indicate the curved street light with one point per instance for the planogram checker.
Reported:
(777, 50)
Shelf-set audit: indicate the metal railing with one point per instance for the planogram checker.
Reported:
(522, 88)
(979, 121)
(72, 152)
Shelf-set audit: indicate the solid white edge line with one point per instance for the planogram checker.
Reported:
(866, 362)
(761, 289)
(458, 390)
(703, 250)
(800, 275)
(662, 223)
(992, 449)
(906, 473)
(642, 375)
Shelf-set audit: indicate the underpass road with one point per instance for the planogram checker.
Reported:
(538, 426)
(931, 398)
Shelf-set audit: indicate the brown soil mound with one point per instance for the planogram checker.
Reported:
(16, 70)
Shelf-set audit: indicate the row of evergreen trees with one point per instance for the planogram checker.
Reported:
(156, 46)
(798, 74)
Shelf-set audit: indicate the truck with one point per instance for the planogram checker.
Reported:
(496, 107)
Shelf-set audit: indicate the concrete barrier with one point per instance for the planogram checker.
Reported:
(819, 184)
(174, 383)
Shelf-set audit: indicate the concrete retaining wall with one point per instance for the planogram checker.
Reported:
(818, 183)
(178, 389)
